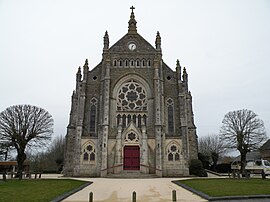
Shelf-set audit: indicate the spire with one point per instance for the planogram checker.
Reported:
(85, 70)
(132, 28)
(178, 69)
(79, 74)
(86, 63)
(185, 75)
(158, 41)
(106, 41)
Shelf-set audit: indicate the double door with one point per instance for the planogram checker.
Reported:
(131, 158)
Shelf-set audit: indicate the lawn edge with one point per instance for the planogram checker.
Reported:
(210, 198)
(67, 194)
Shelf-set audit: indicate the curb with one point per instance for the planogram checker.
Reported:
(67, 194)
(222, 198)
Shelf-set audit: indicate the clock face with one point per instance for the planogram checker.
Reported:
(132, 46)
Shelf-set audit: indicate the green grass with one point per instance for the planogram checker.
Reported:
(35, 190)
(229, 187)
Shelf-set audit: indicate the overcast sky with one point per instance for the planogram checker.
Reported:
(224, 44)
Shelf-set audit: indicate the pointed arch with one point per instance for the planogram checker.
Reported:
(88, 153)
(173, 151)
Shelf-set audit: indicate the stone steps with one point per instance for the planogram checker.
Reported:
(132, 175)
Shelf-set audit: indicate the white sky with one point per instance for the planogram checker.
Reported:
(224, 44)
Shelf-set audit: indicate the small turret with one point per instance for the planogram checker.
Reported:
(78, 79)
(79, 75)
(132, 28)
(178, 69)
(185, 75)
(85, 70)
(106, 41)
(158, 42)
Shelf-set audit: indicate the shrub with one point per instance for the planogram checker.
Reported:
(196, 168)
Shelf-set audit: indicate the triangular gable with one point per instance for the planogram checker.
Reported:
(122, 44)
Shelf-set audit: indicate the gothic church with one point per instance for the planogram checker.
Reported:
(131, 113)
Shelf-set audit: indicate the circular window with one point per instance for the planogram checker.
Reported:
(131, 96)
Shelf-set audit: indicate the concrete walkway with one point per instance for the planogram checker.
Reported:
(120, 190)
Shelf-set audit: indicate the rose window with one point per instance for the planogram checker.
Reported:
(131, 97)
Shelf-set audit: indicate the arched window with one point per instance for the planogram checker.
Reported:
(115, 63)
(88, 153)
(120, 63)
(149, 63)
(124, 122)
(126, 63)
(131, 63)
(173, 152)
(143, 62)
(137, 63)
(170, 110)
(118, 119)
(93, 115)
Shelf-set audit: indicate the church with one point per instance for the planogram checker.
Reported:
(131, 113)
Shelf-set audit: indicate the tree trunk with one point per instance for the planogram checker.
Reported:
(243, 163)
(20, 160)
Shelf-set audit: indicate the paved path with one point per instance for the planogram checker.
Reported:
(120, 190)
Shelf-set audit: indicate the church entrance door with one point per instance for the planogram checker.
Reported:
(131, 158)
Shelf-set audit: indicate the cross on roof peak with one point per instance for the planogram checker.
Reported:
(132, 8)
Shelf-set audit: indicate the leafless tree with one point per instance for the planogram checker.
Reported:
(209, 144)
(211, 148)
(5, 150)
(50, 160)
(24, 126)
(242, 130)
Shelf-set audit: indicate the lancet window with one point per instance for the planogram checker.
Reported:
(93, 115)
(170, 113)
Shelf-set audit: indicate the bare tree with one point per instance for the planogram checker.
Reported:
(5, 150)
(211, 146)
(24, 126)
(242, 130)
(50, 160)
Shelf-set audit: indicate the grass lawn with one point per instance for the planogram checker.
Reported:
(229, 187)
(36, 190)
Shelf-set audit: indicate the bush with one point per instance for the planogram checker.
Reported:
(196, 168)
(224, 168)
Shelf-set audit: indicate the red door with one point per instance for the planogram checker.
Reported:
(131, 158)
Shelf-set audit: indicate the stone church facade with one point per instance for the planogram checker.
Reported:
(131, 113)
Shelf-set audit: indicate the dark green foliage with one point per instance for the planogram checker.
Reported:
(205, 159)
(196, 168)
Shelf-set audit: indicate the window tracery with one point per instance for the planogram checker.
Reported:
(131, 104)
(89, 153)
(131, 97)
(173, 153)
(131, 137)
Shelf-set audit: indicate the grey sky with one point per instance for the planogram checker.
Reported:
(225, 46)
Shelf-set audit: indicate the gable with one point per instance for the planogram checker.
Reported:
(142, 46)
